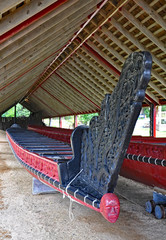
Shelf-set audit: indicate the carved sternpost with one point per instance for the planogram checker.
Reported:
(105, 142)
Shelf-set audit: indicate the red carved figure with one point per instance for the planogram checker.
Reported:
(110, 207)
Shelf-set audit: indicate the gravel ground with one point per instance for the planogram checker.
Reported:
(24, 216)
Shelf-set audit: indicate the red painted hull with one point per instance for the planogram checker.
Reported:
(43, 165)
(149, 174)
(146, 173)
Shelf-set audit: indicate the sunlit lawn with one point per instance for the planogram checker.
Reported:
(145, 132)
(139, 130)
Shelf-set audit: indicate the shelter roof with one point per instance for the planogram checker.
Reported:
(61, 57)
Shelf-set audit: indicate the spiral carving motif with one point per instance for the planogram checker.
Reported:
(105, 142)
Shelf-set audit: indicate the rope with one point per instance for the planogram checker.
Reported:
(71, 215)
(150, 160)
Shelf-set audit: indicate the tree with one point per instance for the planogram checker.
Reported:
(20, 112)
(163, 108)
(146, 111)
(85, 118)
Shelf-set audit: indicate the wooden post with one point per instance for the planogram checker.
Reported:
(15, 113)
(152, 120)
(49, 122)
(75, 121)
(60, 122)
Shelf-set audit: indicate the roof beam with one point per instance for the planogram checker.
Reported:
(141, 47)
(114, 67)
(8, 5)
(134, 40)
(46, 74)
(98, 107)
(66, 73)
(152, 98)
(67, 95)
(57, 99)
(122, 59)
(143, 29)
(61, 23)
(39, 24)
(152, 13)
(23, 21)
(100, 60)
(128, 51)
(90, 79)
(98, 71)
(117, 71)
(44, 103)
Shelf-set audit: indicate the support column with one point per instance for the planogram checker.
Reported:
(153, 120)
(15, 113)
(60, 122)
(75, 121)
(49, 122)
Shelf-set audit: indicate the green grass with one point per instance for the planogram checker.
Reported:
(145, 132)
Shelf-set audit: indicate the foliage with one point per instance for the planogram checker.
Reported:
(146, 111)
(9, 113)
(85, 118)
(81, 119)
(163, 108)
(20, 112)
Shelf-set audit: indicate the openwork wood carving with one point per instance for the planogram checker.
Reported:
(104, 143)
(89, 177)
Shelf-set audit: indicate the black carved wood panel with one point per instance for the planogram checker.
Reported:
(104, 143)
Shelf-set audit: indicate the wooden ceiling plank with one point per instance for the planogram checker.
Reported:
(37, 24)
(15, 97)
(143, 29)
(123, 59)
(59, 24)
(42, 48)
(102, 64)
(13, 91)
(109, 48)
(49, 103)
(100, 81)
(21, 89)
(46, 74)
(136, 42)
(33, 72)
(53, 102)
(69, 78)
(94, 84)
(67, 74)
(127, 50)
(157, 89)
(159, 77)
(67, 98)
(44, 44)
(86, 98)
(153, 14)
(150, 94)
(6, 5)
(87, 78)
(24, 66)
(43, 105)
(38, 54)
(107, 78)
(60, 88)
(80, 88)
(20, 16)
(93, 46)
(116, 40)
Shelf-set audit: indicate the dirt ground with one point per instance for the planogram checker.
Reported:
(24, 216)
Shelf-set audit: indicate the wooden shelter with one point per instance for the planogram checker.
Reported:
(61, 57)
